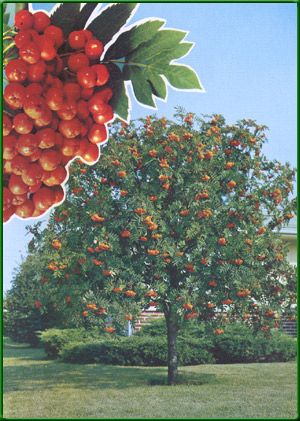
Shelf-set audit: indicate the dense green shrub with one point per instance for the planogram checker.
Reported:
(134, 350)
(239, 345)
(53, 340)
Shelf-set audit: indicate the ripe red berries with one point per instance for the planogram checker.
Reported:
(58, 112)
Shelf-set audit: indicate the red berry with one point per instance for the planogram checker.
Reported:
(76, 61)
(82, 109)
(14, 95)
(87, 34)
(72, 90)
(55, 177)
(22, 37)
(86, 77)
(7, 125)
(49, 160)
(35, 188)
(16, 70)
(48, 51)
(40, 21)
(68, 110)
(102, 74)
(25, 210)
(87, 93)
(18, 199)
(46, 138)
(70, 128)
(34, 89)
(77, 40)
(54, 99)
(97, 133)
(19, 164)
(22, 123)
(23, 20)
(16, 185)
(27, 144)
(106, 115)
(36, 71)
(9, 147)
(58, 193)
(56, 34)
(91, 153)
(69, 147)
(34, 106)
(30, 53)
(93, 48)
(43, 199)
(32, 174)
(45, 119)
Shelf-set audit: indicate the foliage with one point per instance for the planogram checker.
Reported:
(53, 340)
(182, 214)
(239, 345)
(135, 350)
(23, 319)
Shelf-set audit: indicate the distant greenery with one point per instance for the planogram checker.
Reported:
(38, 388)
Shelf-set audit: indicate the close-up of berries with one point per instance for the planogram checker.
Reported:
(56, 108)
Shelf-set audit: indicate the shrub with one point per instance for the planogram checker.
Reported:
(135, 350)
(53, 340)
(239, 345)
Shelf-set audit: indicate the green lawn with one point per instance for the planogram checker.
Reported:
(39, 388)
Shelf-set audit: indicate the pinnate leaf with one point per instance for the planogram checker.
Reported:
(111, 20)
(119, 101)
(65, 16)
(84, 15)
(182, 77)
(129, 40)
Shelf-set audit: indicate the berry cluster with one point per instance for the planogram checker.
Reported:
(56, 108)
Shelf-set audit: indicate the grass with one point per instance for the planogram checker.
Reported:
(35, 387)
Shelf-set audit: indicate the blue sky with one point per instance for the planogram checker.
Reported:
(245, 55)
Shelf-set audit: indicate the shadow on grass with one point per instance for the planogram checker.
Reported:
(184, 379)
(34, 371)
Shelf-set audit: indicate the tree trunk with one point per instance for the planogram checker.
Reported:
(172, 329)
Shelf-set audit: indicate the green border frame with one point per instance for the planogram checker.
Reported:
(297, 179)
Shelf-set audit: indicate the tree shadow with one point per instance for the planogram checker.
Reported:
(34, 371)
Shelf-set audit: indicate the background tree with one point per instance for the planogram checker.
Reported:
(179, 215)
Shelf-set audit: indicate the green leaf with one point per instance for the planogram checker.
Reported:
(111, 20)
(158, 85)
(85, 13)
(119, 101)
(164, 41)
(141, 87)
(65, 16)
(129, 40)
(151, 60)
(182, 77)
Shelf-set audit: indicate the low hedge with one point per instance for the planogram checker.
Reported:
(238, 344)
(141, 351)
(53, 340)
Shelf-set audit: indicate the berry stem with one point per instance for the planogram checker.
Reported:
(11, 45)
